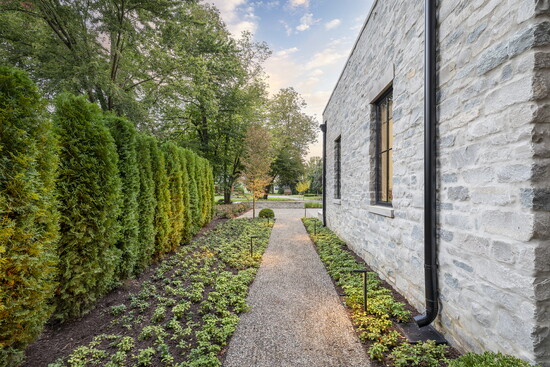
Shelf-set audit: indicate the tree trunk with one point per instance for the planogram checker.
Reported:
(227, 195)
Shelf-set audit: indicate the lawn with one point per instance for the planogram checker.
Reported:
(181, 312)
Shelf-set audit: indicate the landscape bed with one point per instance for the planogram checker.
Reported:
(376, 328)
(180, 312)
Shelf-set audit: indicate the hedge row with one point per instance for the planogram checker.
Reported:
(84, 204)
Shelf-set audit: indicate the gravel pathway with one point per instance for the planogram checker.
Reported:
(296, 317)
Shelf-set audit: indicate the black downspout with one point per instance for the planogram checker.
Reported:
(430, 240)
(324, 130)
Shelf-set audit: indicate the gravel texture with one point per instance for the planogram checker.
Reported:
(296, 317)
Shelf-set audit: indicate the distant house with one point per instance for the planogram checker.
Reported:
(490, 166)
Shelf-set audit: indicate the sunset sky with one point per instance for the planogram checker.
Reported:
(310, 40)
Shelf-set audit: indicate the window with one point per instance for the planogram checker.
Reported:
(384, 146)
(337, 168)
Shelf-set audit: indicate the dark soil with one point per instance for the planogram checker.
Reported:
(58, 340)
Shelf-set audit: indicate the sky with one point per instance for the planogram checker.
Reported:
(310, 41)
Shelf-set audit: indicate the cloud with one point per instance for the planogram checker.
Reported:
(306, 21)
(333, 24)
(237, 16)
(326, 57)
(296, 3)
(288, 28)
(286, 52)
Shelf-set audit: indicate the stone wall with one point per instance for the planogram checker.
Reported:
(494, 150)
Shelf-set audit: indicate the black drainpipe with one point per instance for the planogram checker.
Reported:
(430, 240)
(324, 130)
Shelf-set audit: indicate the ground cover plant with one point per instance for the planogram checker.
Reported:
(376, 327)
(185, 312)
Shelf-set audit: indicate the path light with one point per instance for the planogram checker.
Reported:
(315, 228)
(251, 243)
(364, 271)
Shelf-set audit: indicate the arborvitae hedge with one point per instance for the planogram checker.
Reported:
(201, 185)
(147, 202)
(187, 232)
(28, 216)
(115, 204)
(89, 188)
(175, 186)
(124, 134)
(210, 192)
(194, 197)
(162, 195)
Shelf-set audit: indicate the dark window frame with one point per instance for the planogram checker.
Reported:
(384, 98)
(338, 168)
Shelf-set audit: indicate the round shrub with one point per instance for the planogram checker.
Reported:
(266, 213)
(28, 216)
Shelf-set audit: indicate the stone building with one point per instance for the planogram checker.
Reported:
(492, 173)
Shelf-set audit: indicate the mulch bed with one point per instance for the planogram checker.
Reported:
(58, 340)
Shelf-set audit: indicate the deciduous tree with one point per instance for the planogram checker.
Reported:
(257, 161)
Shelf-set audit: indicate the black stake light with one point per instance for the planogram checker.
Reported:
(251, 244)
(364, 271)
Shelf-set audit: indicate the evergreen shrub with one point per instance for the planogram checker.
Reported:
(162, 197)
(187, 228)
(175, 173)
(194, 197)
(147, 202)
(89, 189)
(125, 136)
(28, 216)
(266, 213)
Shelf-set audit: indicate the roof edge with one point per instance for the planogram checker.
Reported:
(351, 53)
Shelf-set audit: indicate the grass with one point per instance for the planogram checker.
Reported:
(313, 205)
(249, 199)
(185, 314)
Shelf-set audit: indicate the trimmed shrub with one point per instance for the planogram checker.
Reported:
(194, 196)
(28, 216)
(187, 230)
(89, 190)
(175, 173)
(163, 199)
(124, 134)
(266, 213)
(147, 202)
(210, 193)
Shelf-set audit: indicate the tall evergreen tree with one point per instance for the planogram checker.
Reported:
(89, 188)
(125, 136)
(147, 202)
(28, 215)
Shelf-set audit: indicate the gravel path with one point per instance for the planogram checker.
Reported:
(296, 317)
